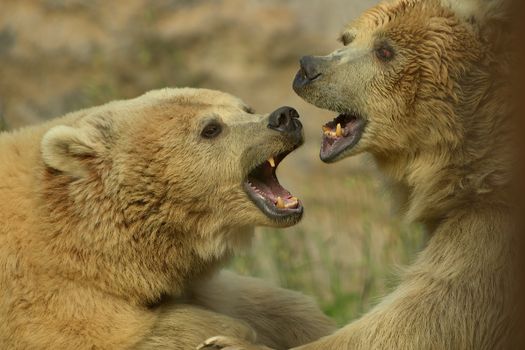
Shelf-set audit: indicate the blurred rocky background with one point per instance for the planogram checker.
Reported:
(58, 56)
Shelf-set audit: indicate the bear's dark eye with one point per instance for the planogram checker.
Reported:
(211, 130)
(385, 53)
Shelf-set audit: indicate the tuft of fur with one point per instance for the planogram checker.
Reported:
(479, 12)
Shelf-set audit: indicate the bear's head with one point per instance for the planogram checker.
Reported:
(409, 78)
(192, 166)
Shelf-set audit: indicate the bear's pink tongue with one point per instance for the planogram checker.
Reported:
(263, 182)
(275, 193)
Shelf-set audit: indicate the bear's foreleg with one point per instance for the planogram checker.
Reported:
(185, 327)
(281, 318)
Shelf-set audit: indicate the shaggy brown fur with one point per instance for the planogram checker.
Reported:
(434, 116)
(113, 216)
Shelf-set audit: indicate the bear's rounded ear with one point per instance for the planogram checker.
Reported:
(492, 19)
(481, 12)
(65, 149)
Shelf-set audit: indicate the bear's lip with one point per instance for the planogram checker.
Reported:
(264, 189)
(341, 134)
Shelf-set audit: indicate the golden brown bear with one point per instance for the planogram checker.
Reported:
(421, 86)
(114, 221)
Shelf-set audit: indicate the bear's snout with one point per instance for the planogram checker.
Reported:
(286, 120)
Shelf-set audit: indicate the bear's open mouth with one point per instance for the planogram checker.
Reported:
(341, 134)
(264, 189)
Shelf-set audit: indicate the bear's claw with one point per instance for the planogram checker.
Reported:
(226, 343)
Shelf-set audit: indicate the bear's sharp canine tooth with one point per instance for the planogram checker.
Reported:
(339, 131)
(280, 203)
(293, 203)
(272, 162)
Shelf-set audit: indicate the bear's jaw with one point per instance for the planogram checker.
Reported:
(264, 189)
(341, 135)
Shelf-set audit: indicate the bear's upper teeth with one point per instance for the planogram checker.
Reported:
(280, 203)
(333, 134)
(272, 162)
(339, 130)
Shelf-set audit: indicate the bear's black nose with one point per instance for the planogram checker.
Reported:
(310, 68)
(285, 119)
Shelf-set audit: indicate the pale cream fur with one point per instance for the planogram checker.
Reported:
(437, 124)
(114, 219)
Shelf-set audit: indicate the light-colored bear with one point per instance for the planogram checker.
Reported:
(423, 87)
(115, 220)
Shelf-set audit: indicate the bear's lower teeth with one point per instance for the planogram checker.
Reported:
(264, 185)
(292, 202)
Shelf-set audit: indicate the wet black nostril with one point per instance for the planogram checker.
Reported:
(294, 113)
(284, 119)
(310, 68)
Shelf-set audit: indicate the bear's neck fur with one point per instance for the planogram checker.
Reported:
(469, 167)
(138, 260)
(459, 191)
